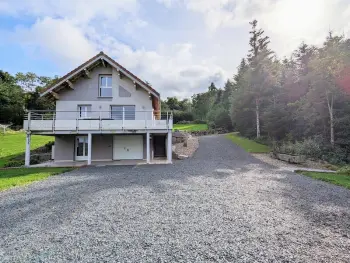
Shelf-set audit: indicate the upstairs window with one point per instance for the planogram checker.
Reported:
(105, 87)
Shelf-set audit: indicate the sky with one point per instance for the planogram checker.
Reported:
(179, 46)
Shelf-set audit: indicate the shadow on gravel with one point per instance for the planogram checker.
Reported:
(320, 203)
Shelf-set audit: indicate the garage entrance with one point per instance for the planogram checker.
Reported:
(127, 147)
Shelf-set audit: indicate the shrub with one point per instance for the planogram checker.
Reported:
(14, 163)
(344, 170)
(48, 146)
(309, 147)
(220, 117)
(199, 122)
(335, 156)
(182, 116)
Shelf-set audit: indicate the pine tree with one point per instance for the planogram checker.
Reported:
(259, 58)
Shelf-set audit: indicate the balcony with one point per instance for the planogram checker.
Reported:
(96, 121)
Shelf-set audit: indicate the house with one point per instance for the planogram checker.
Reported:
(103, 113)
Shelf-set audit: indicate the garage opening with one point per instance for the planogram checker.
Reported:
(159, 145)
(127, 147)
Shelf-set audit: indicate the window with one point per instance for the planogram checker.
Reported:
(105, 87)
(117, 112)
(123, 92)
(84, 111)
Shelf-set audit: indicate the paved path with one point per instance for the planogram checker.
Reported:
(222, 205)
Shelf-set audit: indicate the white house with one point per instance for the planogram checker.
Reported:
(103, 113)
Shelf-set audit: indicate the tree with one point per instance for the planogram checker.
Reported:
(259, 58)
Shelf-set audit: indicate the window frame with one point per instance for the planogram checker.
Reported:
(127, 118)
(100, 87)
(87, 112)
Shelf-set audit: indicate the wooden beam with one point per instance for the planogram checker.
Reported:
(55, 95)
(135, 85)
(103, 62)
(87, 73)
(70, 84)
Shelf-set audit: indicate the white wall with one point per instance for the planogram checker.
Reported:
(86, 93)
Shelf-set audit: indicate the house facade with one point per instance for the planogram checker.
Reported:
(103, 113)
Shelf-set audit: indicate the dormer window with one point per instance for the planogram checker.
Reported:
(105, 86)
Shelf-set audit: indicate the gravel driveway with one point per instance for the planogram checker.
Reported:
(222, 205)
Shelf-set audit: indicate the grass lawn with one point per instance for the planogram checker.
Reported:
(22, 176)
(248, 145)
(334, 178)
(12, 145)
(191, 127)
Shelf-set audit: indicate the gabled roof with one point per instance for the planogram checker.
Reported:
(99, 57)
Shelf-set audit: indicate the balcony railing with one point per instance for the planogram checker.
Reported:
(52, 121)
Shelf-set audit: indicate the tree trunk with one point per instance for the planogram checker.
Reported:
(331, 117)
(257, 118)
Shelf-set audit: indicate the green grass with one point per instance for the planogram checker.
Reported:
(248, 145)
(191, 127)
(23, 176)
(12, 145)
(333, 178)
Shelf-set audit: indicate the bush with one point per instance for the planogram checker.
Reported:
(182, 116)
(199, 122)
(344, 170)
(335, 156)
(14, 163)
(48, 146)
(218, 117)
(309, 147)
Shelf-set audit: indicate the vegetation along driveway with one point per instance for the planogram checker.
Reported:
(220, 206)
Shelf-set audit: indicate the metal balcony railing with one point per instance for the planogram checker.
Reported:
(51, 121)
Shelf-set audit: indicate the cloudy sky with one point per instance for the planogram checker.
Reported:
(179, 46)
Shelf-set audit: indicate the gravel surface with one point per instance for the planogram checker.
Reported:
(222, 205)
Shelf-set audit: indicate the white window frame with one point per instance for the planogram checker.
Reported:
(84, 111)
(100, 87)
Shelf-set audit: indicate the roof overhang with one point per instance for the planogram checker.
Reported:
(85, 68)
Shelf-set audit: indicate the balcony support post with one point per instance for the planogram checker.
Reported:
(89, 147)
(169, 146)
(148, 154)
(27, 154)
(29, 119)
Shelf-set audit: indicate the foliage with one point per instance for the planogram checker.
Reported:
(344, 170)
(333, 178)
(23, 176)
(190, 127)
(14, 163)
(310, 147)
(304, 96)
(248, 145)
(21, 92)
(13, 145)
(180, 116)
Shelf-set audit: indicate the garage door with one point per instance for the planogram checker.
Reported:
(127, 147)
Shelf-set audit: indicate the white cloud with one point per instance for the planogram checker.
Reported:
(176, 59)
(57, 39)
